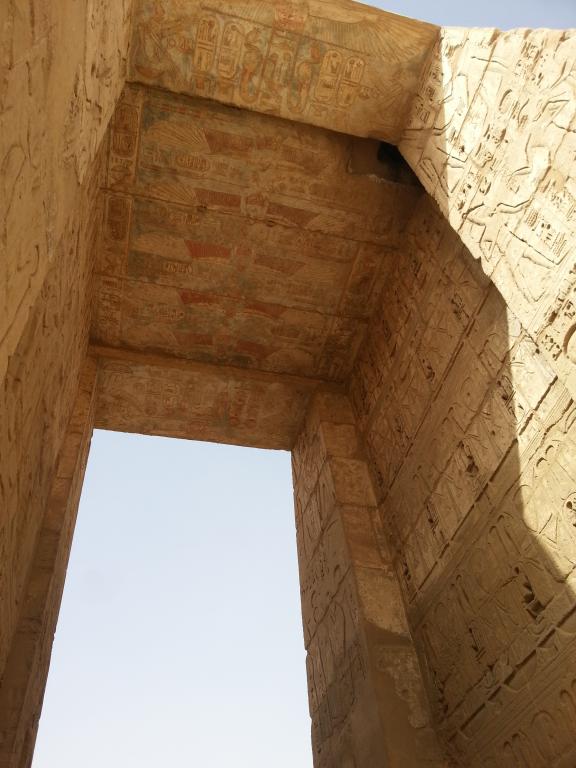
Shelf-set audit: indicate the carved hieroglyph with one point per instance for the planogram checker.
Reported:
(472, 442)
(331, 63)
(492, 137)
(240, 239)
(245, 268)
(366, 695)
(36, 398)
(61, 71)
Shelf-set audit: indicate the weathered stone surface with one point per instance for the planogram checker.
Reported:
(36, 396)
(262, 282)
(61, 71)
(157, 395)
(491, 136)
(367, 699)
(240, 239)
(339, 65)
(23, 680)
(471, 440)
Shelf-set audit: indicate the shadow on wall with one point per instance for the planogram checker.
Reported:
(480, 494)
(494, 617)
(472, 442)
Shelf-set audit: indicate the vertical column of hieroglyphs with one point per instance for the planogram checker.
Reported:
(472, 441)
(492, 136)
(62, 68)
(366, 695)
(113, 251)
(24, 678)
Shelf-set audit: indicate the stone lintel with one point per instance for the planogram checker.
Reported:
(168, 396)
(338, 65)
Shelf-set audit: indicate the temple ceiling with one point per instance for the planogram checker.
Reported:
(238, 240)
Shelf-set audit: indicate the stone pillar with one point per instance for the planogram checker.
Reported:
(366, 695)
(24, 679)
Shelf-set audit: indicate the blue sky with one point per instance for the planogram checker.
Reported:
(505, 14)
(179, 641)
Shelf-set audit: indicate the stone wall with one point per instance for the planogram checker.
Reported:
(492, 136)
(155, 395)
(472, 444)
(367, 700)
(62, 69)
(437, 519)
(24, 676)
(36, 398)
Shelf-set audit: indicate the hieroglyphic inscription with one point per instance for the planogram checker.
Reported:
(362, 668)
(240, 241)
(124, 137)
(36, 402)
(338, 65)
(475, 474)
(62, 71)
(159, 396)
(491, 136)
(204, 156)
(35, 399)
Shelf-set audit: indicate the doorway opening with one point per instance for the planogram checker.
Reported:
(179, 640)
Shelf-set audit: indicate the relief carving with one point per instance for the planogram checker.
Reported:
(287, 59)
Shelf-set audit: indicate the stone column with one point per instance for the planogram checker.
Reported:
(24, 680)
(366, 695)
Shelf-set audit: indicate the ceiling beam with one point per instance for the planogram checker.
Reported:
(162, 395)
(331, 63)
